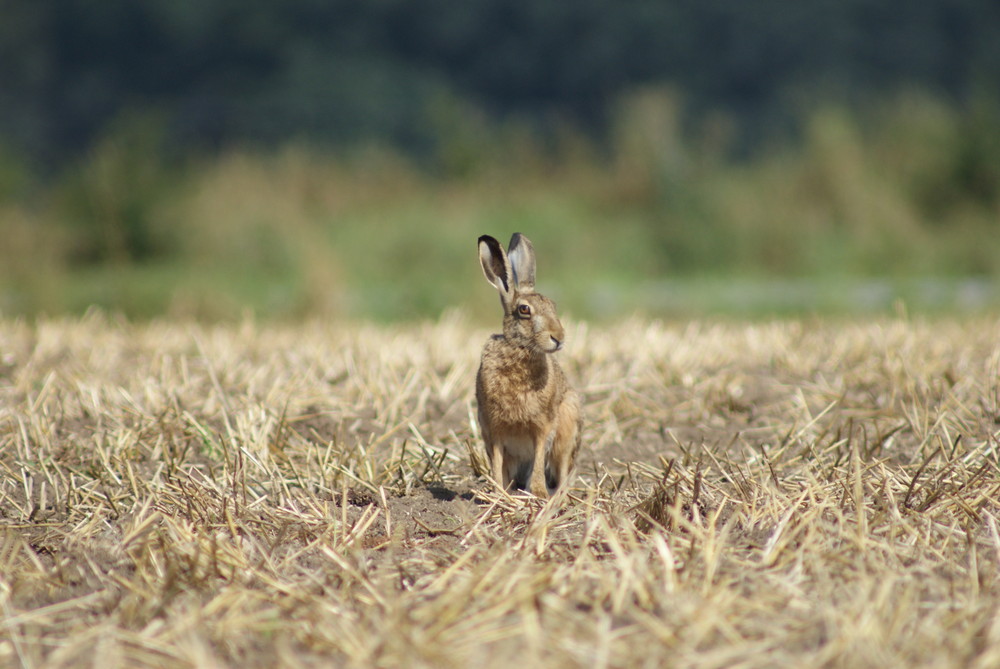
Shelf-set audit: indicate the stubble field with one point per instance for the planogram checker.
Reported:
(787, 494)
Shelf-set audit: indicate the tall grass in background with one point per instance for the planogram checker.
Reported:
(907, 188)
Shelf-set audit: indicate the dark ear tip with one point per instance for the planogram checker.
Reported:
(492, 244)
(517, 240)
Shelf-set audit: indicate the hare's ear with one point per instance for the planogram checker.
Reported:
(496, 266)
(522, 262)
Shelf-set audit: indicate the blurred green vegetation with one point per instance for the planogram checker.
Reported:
(208, 157)
(655, 218)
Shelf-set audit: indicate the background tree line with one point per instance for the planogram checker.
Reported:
(218, 72)
(205, 156)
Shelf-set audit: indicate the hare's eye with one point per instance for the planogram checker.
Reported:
(524, 310)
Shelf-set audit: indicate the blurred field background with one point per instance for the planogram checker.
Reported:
(289, 159)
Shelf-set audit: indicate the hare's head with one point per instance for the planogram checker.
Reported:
(529, 318)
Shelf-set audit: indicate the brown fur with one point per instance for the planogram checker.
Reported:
(528, 414)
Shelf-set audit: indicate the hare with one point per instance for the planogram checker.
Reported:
(529, 416)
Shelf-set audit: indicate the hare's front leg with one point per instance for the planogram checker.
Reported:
(565, 443)
(538, 487)
(499, 471)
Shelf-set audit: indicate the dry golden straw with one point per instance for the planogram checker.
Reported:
(784, 494)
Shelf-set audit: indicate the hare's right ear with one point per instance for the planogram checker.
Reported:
(522, 262)
(496, 267)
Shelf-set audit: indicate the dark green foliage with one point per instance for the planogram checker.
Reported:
(116, 203)
(346, 72)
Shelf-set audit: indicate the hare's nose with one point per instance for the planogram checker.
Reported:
(556, 342)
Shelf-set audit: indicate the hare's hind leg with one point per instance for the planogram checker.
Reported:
(565, 442)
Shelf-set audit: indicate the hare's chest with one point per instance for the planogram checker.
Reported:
(520, 409)
(514, 396)
(517, 392)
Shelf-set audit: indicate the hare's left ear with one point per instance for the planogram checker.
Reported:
(496, 267)
(522, 262)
